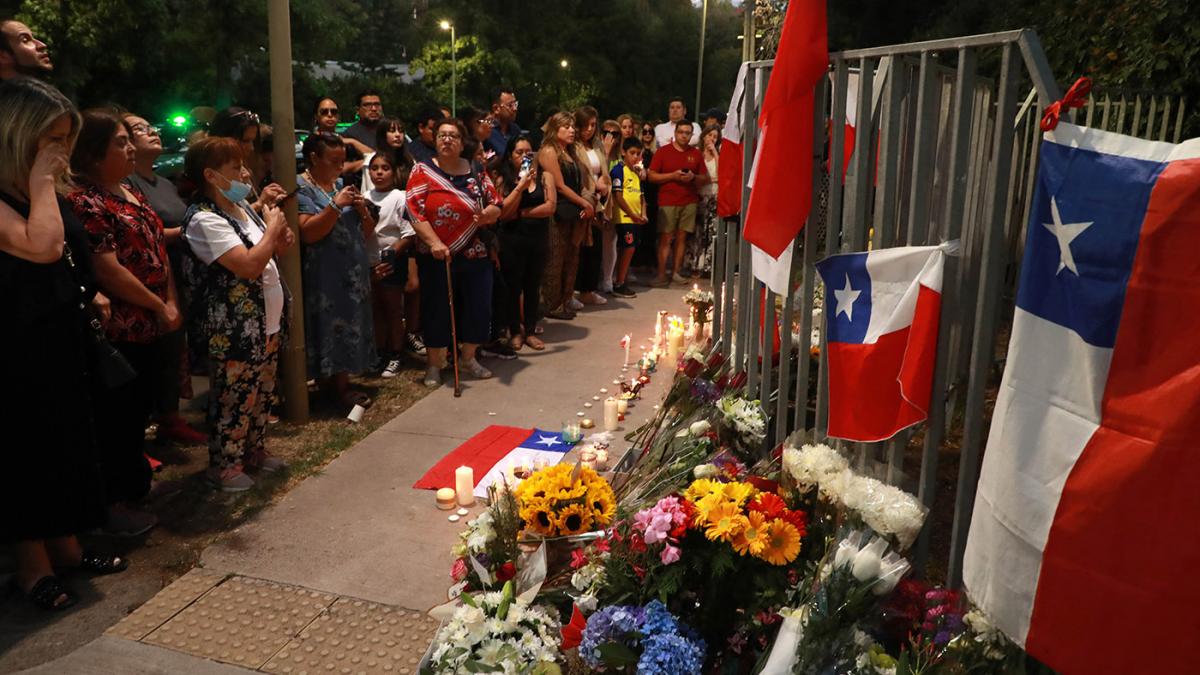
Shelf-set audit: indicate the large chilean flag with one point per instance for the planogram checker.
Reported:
(881, 311)
(1083, 545)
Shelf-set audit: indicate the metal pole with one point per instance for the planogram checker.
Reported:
(748, 47)
(453, 72)
(293, 362)
(700, 61)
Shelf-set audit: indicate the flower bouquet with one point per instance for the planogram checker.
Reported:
(647, 640)
(564, 500)
(486, 551)
(496, 633)
(701, 303)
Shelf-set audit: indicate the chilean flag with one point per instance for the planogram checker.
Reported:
(729, 167)
(882, 311)
(492, 452)
(1082, 545)
(782, 172)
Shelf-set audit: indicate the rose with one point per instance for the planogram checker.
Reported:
(869, 560)
(699, 428)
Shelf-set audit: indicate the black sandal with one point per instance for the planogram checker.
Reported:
(46, 593)
(101, 564)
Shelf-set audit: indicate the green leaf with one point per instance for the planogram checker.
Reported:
(617, 655)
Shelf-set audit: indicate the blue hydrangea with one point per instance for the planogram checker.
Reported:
(616, 623)
(670, 654)
(659, 620)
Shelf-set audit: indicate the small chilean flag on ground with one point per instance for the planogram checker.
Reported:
(1082, 545)
(492, 452)
(882, 311)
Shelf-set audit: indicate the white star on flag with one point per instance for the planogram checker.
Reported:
(1065, 234)
(548, 441)
(845, 300)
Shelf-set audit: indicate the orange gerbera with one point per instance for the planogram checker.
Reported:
(753, 538)
(783, 543)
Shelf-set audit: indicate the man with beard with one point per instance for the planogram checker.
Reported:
(21, 53)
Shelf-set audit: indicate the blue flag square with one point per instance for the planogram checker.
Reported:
(847, 297)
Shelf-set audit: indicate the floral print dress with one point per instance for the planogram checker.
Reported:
(338, 328)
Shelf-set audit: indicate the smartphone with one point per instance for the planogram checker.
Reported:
(526, 164)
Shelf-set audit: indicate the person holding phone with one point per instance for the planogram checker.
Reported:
(335, 227)
(529, 203)
(679, 170)
(388, 171)
(232, 259)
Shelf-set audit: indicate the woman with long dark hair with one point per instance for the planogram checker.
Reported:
(529, 203)
(243, 126)
(560, 157)
(591, 256)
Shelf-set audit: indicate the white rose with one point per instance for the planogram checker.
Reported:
(700, 427)
(705, 471)
(868, 560)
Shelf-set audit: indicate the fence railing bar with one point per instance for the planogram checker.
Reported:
(745, 275)
(887, 165)
(783, 420)
(833, 222)
(947, 44)
(1034, 58)
(1091, 111)
(718, 277)
(1150, 118)
(1166, 118)
(728, 319)
(859, 177)
(1179, 119)
(809, 258)
(983, 344)
(1104, 117)
(767, 346)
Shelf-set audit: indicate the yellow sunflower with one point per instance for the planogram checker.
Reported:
(753, 538)
(604, 505)
(568, 492)
(538, 516)
(574, 519)
(782, 544)
(725, 522)
(701, 487)
(739, 492)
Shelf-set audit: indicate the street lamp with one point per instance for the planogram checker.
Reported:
(446, 25)
(700, 63)
(563, 63)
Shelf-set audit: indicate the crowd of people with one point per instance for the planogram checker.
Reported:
(121, 282)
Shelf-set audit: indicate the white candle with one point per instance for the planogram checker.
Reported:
(464, 485)
(674, 344)
(622, 406)
(601, 462)
(610, 414)
(626, 349)
(445, 499)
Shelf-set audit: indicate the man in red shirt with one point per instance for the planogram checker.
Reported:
(679, 169)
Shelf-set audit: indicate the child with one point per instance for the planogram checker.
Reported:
(631, 209)
(394, 236)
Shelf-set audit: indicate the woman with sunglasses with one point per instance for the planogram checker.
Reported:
(610, 140)
(326, 116)
(644, 253)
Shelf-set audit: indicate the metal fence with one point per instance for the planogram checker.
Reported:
(931, 163)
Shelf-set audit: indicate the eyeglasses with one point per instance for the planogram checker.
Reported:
(246, 113)
(144, 130)
(647, 132)
(371, 104)
(327, 111)
(449, 137)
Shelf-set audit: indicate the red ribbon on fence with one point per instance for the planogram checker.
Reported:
(1075, 97)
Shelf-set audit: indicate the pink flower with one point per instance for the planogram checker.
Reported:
(578, 559)
(669, 554)
(458, 571)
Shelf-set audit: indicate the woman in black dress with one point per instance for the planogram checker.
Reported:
(51, 487)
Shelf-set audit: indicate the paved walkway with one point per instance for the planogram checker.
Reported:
(337, 576)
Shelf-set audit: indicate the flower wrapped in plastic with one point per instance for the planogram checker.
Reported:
(746, 418)
(496, 633)
(565, 499)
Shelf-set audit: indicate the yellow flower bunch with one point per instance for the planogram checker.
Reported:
(554, 502)
(733, 513)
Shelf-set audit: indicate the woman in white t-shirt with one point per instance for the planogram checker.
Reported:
(699, 253)
(390, 264)
(237, 306)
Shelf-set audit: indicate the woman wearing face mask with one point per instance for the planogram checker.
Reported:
(335, 226)
(238, 306)
(51, 487)
(561, 158)
(132, 268)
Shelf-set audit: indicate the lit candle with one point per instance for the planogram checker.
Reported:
(445, 499)
(610, 414)
(464, 485)
(674, 344)
(601, 460)
(622, 406)
(626, 341)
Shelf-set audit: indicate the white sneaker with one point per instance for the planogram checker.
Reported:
(680, 279)
(574, 305)
(433, 377)
(593, 299)
(475, 368)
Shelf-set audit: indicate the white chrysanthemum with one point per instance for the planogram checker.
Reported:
(810, 465)
(885, 508)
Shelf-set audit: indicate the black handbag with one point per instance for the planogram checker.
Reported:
(112, 368)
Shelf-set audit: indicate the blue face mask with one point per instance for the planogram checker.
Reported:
(237, 191)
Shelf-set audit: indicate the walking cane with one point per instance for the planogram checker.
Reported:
(453, 328)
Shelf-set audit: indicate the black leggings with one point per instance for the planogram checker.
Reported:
(523, 251)
(590, 262)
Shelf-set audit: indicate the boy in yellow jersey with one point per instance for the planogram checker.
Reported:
(631, 207)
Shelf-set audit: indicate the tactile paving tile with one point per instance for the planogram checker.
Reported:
(166, 603)
(243, 621)
(355, 637)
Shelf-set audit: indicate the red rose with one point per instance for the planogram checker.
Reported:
(506, 572)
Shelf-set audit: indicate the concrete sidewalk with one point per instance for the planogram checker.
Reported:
(358, 538)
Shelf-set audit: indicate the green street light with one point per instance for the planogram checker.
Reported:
(179, 120)
(446, 25)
